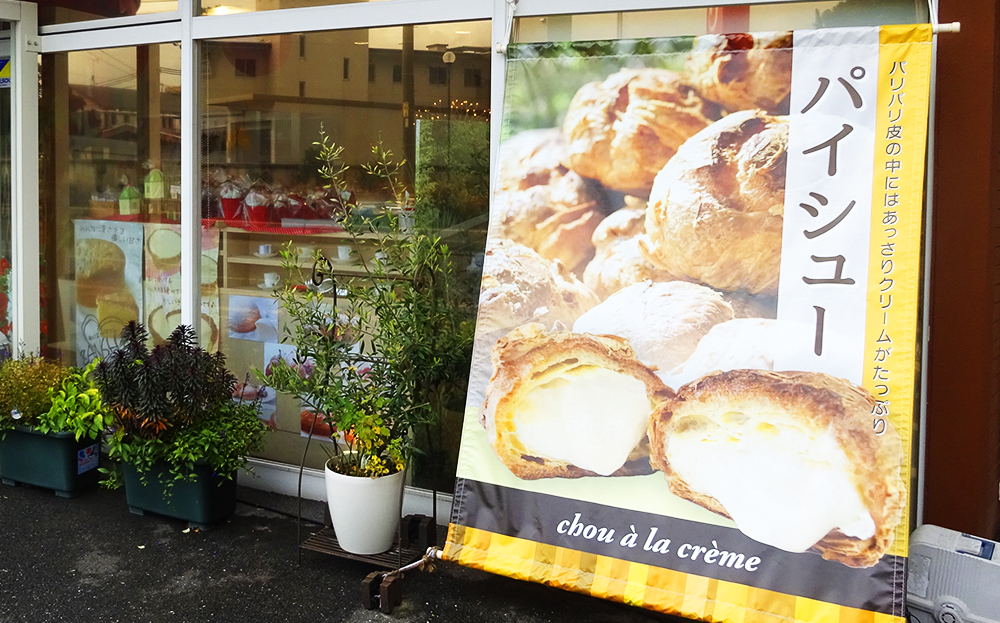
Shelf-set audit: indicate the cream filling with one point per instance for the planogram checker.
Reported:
(587, 416)
(780, 485)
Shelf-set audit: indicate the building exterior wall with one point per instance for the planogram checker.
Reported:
(963, 443)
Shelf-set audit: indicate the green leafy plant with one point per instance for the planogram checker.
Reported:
(332, 167)
(76, 406)
(24, 389)
(173, 406)
(387, 169)
(380, 365)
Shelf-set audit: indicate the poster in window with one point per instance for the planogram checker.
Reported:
(108, 262)
(162, 284)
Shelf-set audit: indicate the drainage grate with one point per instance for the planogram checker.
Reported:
(325, 542)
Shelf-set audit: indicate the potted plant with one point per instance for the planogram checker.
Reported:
(51, 419)
(380, 352)
(175, 427)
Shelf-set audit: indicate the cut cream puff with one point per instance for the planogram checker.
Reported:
(567, 405)
(792, 458)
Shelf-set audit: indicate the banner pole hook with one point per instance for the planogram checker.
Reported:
(937, 28)
(508, 26)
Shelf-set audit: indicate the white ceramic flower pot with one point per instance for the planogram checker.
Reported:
(365, 511)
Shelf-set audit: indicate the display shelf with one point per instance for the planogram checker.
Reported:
(346, 268)
(257, 261)
(317, 233)
(247, 291)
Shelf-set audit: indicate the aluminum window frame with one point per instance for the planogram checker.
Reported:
(184, 26)
(24, 281)
(111, 22)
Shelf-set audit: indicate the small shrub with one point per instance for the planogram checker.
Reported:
(24, 389)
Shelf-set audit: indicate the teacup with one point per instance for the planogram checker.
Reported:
(264, 249)
(271, 279)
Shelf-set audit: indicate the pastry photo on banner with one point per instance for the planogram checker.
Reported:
(696, 341)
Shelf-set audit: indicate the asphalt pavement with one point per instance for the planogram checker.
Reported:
(89, 560)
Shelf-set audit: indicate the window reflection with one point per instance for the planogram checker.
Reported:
(759, 18)
(229, 7)
(52, 12)
(421, 92)
(109, 196)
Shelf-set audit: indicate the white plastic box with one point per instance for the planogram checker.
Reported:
(953, 577)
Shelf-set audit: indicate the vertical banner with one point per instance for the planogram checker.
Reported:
(693, 379)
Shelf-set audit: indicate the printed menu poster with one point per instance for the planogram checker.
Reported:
(108, 258)
(162, 284)
(692, 387)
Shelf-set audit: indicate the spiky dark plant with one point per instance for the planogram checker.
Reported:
(170, 387)
(173, 404)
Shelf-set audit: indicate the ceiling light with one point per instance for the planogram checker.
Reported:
(224, 10)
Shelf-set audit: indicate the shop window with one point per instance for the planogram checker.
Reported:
(109, 197)
(262, 189)
(438, 75)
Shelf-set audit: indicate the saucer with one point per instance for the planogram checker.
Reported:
(264, 256)
(264, 286)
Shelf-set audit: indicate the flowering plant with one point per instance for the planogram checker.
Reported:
(347, 390)
(381, 361)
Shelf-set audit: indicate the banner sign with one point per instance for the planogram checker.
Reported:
(692, 387)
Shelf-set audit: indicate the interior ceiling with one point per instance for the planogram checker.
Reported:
(454, 34)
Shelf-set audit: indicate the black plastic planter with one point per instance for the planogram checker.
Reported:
(55, 461)
(202, 503)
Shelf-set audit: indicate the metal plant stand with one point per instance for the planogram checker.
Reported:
(416, 535)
